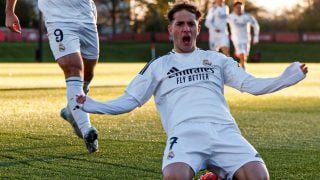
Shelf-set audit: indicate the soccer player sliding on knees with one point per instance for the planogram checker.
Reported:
(188, 89)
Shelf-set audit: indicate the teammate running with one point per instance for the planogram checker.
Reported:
(73, 37)
(240, 24)
(216, 22)
(188, 85)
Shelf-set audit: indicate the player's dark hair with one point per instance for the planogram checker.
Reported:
(188, 6)
(236, 3)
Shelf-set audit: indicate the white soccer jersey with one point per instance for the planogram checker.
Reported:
(217, 19)
(240, 28)
(68, 10)
(188, 87)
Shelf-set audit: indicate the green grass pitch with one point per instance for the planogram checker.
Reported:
(36, 143)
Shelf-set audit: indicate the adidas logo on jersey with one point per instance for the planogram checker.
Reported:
(173, 70)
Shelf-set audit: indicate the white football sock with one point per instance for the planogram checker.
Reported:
(74, 88)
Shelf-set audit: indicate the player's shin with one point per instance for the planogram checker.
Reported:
(75, 87)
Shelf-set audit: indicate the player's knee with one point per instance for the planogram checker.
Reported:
(176, 176)
(88, 75)
(264, 176)
(252, 171)
(250, 176)
(177, 171)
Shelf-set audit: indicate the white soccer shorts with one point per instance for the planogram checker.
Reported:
(242, 48)
(203, 145)
(67, 38)
(218, 40)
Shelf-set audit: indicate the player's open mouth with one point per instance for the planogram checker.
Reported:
(186, 40)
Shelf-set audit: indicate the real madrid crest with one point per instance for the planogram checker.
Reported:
(170, 155)
(206, 62)
(61, 47)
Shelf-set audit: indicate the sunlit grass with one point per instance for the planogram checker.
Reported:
(36, 143)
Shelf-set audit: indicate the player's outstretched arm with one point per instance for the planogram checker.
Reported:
(292, 75)
(256, 30)
(209, 21)
(12, 21)
(120, 105)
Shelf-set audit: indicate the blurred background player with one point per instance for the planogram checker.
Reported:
(240, 24)
(73, 38)
(216, 22)
(188, 85)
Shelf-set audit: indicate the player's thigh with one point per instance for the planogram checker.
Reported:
(231, 151)
(241, 48)
(178, 170)
(214, 42)
(189, 144)
(63, 39)
(71, 64)
(252, 171)
(223, 40)
(89, 41)
(89, 46)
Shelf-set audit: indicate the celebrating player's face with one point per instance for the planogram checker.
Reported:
(219, 2)
(184, 30)
(238, 9)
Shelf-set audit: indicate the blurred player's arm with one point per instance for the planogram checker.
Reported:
(256, 29)
(258, 86)
(209, 22)
(12, 21)
(120, 105)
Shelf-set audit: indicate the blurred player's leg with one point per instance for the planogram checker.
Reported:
(225, 50)
(242, 60)
(241, 52)
(224, 44)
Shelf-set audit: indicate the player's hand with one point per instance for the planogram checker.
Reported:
(81, 99)
(12, 22)
(304, 68)
(255, 40)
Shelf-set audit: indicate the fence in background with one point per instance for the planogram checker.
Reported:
(265, 37)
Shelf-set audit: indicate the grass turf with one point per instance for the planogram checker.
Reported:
(36, 143)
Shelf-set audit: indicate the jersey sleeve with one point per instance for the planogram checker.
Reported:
(120, 105)
(137, 93)
(233, 74)
(144, 84)
(229, 17)
(257, 86)
(256, 28)
(209, 19)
